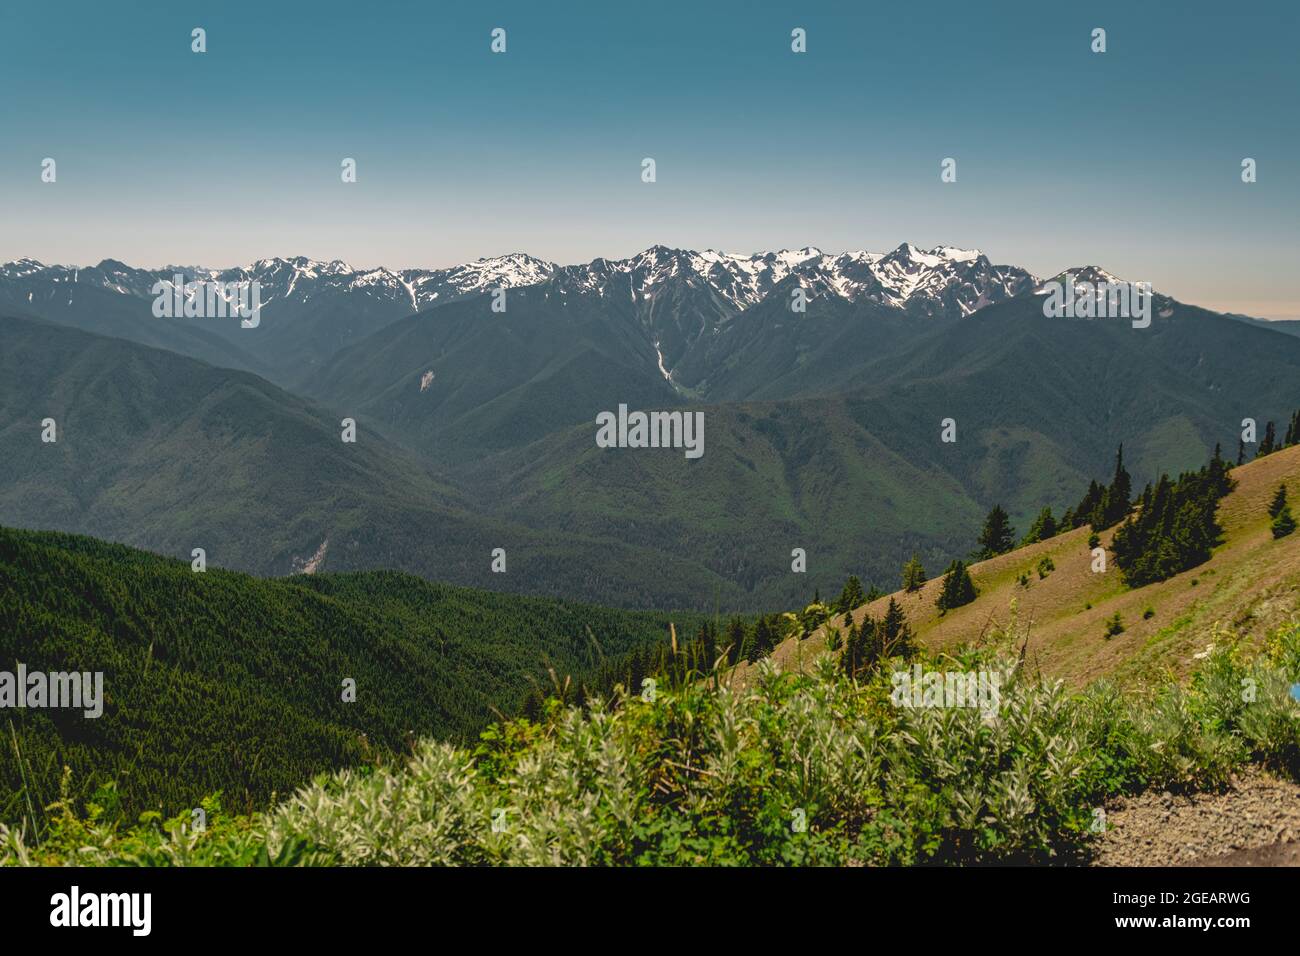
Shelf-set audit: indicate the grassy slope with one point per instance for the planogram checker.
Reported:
(1250, 585)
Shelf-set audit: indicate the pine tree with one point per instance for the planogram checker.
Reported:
(1268, 445)
(895, 633)
(1293, 430)
(813, 616)
(1279, 510)
(764, 639)
(1116, 499)
(532, 708)
(1219, 478)
(957, 588)
(913, 574)
(870, 643)
(1278, 503)
(735, 641)
(1175, 527)
(1083, 512)
(1044, 527)
(1241, 451)
(834, 638)
(852, 596)
(637, 668)
(998, 537)
(1283, 524)
(851, 659)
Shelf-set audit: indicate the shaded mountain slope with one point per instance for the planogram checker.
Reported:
(461, 380)
(862, 479)
(164, 452)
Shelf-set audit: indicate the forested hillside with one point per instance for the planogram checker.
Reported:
(862, 478)
(221, 681)
(163, 452)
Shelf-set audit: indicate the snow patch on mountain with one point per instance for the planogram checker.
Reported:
(942, 280)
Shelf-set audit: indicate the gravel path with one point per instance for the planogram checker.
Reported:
(1256, 822)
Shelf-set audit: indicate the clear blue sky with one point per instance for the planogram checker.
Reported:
(1128, 159)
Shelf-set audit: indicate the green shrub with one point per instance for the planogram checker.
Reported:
(792, 770)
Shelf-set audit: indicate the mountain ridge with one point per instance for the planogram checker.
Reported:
(312, 309)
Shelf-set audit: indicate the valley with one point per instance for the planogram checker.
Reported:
(479, 428)
(493, 538)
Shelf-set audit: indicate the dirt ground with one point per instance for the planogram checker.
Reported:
(1256, 822)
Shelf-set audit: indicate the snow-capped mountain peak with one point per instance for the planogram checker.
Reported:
(21, 267)
(942, 280)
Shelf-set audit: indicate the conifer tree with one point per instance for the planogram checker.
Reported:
(834, 637)
(1044, 527)
(852, 595)
(532, 708)
(1175, 528)
(706, 642)
(1278, 503)
(851, 657)
(1267, 446)
(913, 574)
(1084, 510)
(997, 536)
(1284, 523)
(1116, 499)
(895, 633)
(1220, 481)
(735, 641)
(869, 643)
(764, 639)
(957, 588)
(746, 649)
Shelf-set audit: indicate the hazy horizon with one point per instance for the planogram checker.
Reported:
(1129, 159)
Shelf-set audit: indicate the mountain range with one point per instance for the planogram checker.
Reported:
(313, 308)
(476, 424)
